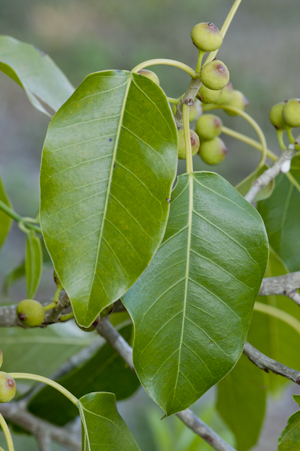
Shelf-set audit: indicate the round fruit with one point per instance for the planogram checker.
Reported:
(181, 144)
(30, 313)
(238, 100)
(214, 75)
(213, 151)
(207, 37)
(208, 95)
(208, 126)
(149, 74)
(276, 117)
(291, 113)
(7, 387)
(226, 95)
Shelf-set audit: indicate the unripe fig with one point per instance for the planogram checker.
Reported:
(207, 37)
(7, 387)
(213, 151)
(291, 113)
(239, 101)
(226, 96)
(208, 126)
(214, 75)
(149, 74)
(208, 95)
(30, 313)
(195, 142)
(276, 117)
(195, 110)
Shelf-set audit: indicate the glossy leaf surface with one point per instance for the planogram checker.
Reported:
(290, 437)
(33, 263)
(108, 165)
(5, 220)
(35, 72)
(105, 371)
(281, 214)
(244, 186)
(242, 401)
(192, 306)
(103, 429)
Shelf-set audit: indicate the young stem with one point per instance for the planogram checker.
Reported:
(225, 27)
(167, 62)
(45, 380)
(7, 434)
(249, 141)
(278, 313)
(200, 59)
(174, 101)
(290, 135)
(7, 210)
(251, 121)
(66, 317)
(56, 295)
(280, 139)
(187, 138)
(50, 306)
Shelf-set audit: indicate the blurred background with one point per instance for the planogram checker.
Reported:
(261, 51)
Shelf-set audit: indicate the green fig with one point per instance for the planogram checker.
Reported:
(238, 100)
(7, 387)
(207, 37)
(226, 96)
(208, 95)
(195, 110)
(30, 313)
(213, 151)
(214, 75)
(291, 113)
(276, 117)
(208, 126)
(195, 142)
(149, 74)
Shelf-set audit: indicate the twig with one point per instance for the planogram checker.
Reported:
(270, 174)
(267, 364)
(44, 441)
(188, 99)
(286, 285)
(106, 329)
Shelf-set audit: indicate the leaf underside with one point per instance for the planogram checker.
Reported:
(192, 306)
(108, 164)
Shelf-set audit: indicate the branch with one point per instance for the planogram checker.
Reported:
(270, 174)
(188, 99)
(15, 413)
(187, 416)
(286, 285)
(267, 364)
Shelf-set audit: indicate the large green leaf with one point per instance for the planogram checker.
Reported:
(5, 220)
(272, 336)
(35, 72)
(242, 402)
(290, 437)
(103, 429)
(108, 165)
(105, 371)
(281, 214)
(244, 186)
(33, 263)
(40, 351)
(192, 306)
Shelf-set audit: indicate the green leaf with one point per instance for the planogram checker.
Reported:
(40, 351)
(244, 186)
(5, 220)
(272, 336)
(103, 429)
(242, 402)
(33, 263)
(192, 306)
(13, 277)
(281, 215)
(35, 72)
(290, 437)
(105, 370)
(108, 165)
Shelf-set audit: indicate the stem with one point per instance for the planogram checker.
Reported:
(56, 295)
(7, 434)
(251, 121)
(50, 306)
(187, 138)
(167, 62)
(249, 141)
(174, 101)
(278, 313)
(280, 139)
(225, 27)
(290, 135)
(66, 317)
(45, 380)
(200, 59)
(6, 209)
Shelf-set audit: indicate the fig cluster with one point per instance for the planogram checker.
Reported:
(285, 115)
(212, 148)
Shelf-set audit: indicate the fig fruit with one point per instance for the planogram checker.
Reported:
(207, 37)
(149, 74)
(213, 152)
(30, 313)
(208, 95)
(7, 387)
(208, 126)
(195, 142)
(291, 113)
(214, 75)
